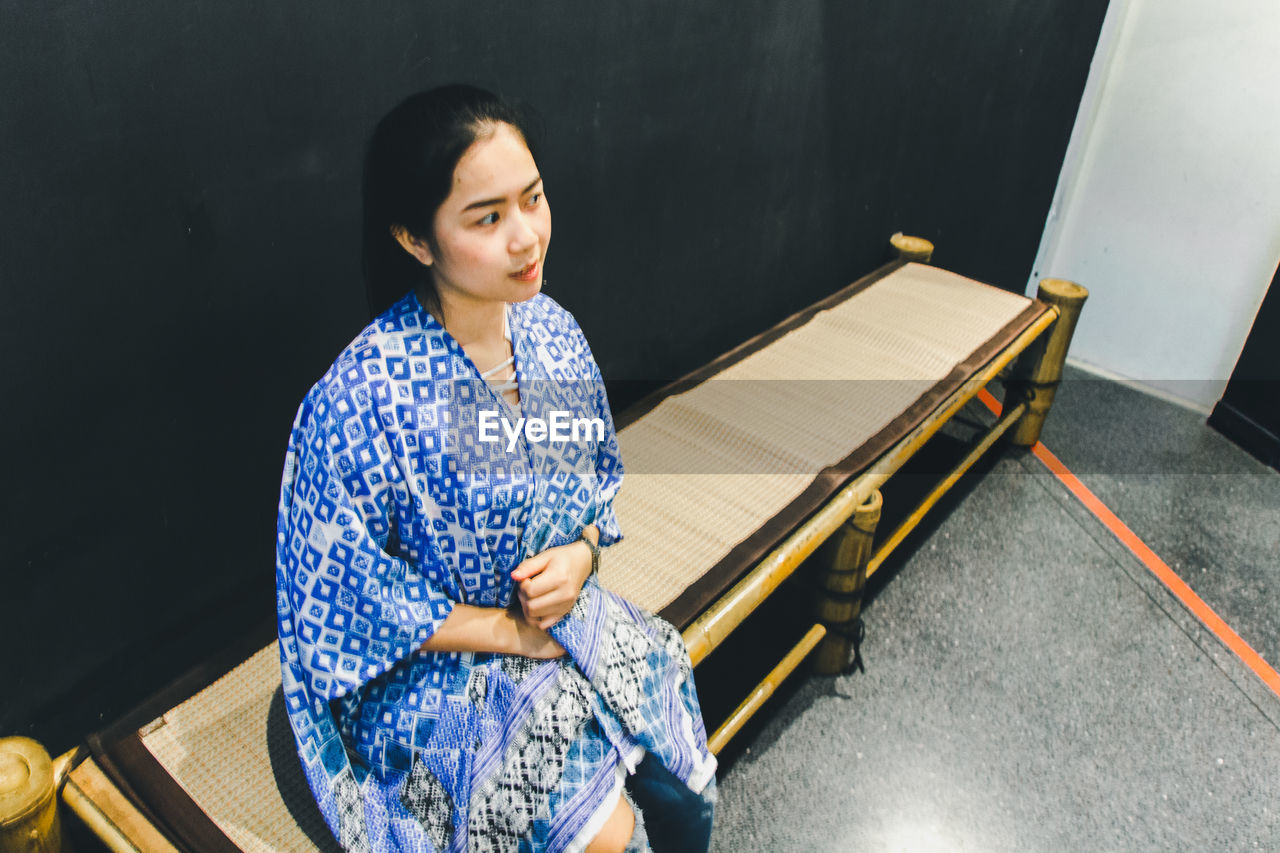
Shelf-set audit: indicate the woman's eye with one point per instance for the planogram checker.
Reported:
(491, 219)
(534, 199)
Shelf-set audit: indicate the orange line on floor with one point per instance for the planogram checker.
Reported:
(1158, 567)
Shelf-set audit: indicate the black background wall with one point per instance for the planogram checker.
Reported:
(1249, 411)
(179, 210)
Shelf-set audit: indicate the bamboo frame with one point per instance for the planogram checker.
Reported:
(713, 626)
(108, 813)
(1036, 375)
(765, 689)
(29, 779)
(901, 532)
(909, 248)
(839, 600)
(719, 621)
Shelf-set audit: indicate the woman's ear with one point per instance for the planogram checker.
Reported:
(412, 245)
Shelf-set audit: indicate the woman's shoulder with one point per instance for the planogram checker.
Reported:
(397, 345)
(545, 319)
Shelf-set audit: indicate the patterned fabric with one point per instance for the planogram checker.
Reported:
(392, 509)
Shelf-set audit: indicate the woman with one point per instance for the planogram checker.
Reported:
(455, 677)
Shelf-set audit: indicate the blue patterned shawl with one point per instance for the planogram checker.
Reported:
(391, 511)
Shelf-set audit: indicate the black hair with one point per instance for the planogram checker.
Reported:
(408, 173)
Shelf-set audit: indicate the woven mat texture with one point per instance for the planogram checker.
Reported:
(704, 470)
(218, 745)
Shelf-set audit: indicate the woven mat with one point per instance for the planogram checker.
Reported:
(231, 749)
(705, 469)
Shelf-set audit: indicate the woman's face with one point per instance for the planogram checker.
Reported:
(492, 232)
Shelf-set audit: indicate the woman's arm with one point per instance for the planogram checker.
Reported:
(348, 609)
(491, 629)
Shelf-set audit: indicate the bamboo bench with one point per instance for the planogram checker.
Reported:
(731, 484)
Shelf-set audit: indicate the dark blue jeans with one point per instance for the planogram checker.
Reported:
(676, 819)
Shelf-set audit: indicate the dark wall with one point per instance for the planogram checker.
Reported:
(179, 210)
(1249, 411)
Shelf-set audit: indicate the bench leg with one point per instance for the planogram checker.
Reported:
(840, 588)
(1038, 370)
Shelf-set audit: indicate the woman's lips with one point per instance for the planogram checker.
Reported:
(529, 273)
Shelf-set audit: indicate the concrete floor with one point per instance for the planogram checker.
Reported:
(1029, 683)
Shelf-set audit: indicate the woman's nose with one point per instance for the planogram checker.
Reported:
(523, 236)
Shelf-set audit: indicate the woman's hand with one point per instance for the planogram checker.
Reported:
(549, 582)
(532, 641)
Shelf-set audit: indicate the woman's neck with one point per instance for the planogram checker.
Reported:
(474, 323)
(479, 328)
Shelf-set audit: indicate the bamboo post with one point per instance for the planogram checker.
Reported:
(1038, 370)
(839, 602)
(29, 779)
(911, 248)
